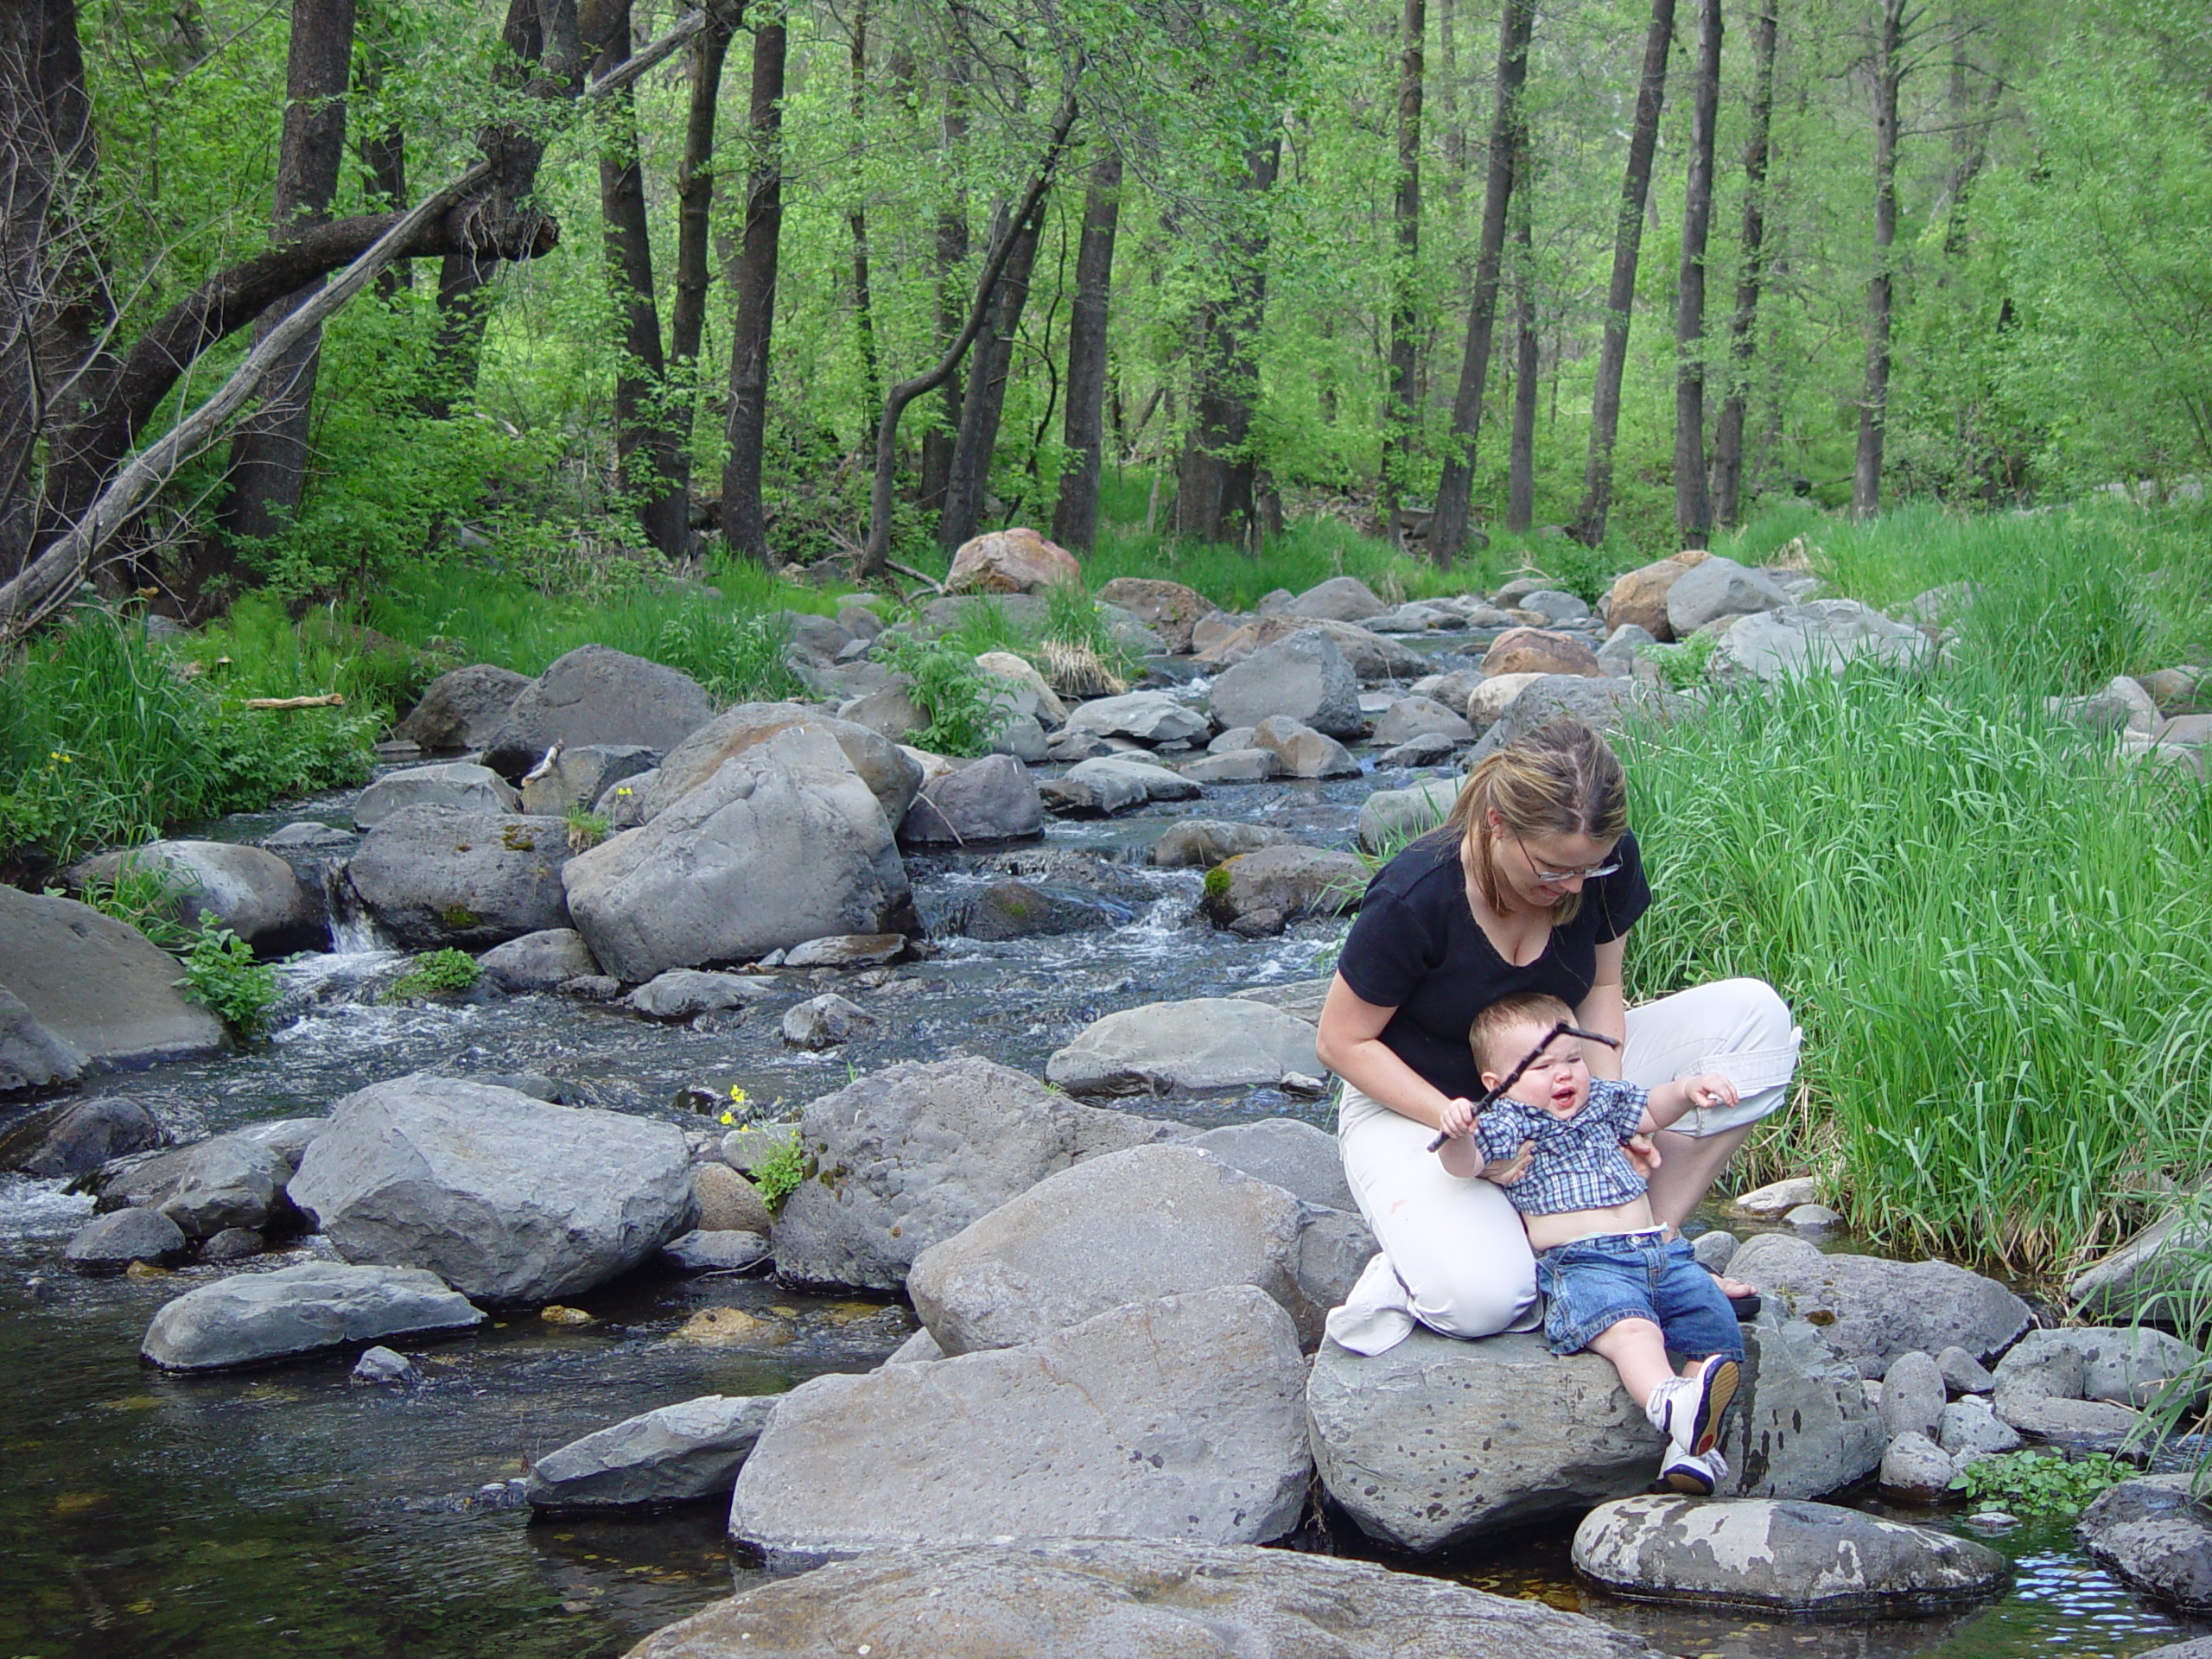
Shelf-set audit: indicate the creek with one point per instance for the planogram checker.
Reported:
(289, 1510)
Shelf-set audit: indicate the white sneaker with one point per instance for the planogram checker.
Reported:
(1378, 1316)
(1692, 1475)
(1687, 1409)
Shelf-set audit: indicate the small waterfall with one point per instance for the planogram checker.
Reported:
(353, 931)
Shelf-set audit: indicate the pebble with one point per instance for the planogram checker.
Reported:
(1812, 1218)
(382, 1365)
(554, 1313)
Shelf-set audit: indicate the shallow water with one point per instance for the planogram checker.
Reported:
(289, 1509)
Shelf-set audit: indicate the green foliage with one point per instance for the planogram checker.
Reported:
(220, 973)
(585, 829)
(1683, 665)
(966, 706)
(777, 1175)
(438, 973)
(144, 896)
(2041, 1484)
(1214, 887)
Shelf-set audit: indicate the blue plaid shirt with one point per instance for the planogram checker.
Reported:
(1578, 1163)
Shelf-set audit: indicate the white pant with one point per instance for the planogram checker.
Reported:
(1459, 1258)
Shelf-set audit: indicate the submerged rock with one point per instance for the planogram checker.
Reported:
(672, 1455)
(251, 1317)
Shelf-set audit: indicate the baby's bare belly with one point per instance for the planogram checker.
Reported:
(1568, 1225)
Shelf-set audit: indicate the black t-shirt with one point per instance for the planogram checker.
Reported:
(1417, 948)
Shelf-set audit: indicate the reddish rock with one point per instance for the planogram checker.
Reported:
(1016, 561)
(1640, 595)
(1539, 651)
(1169, 608)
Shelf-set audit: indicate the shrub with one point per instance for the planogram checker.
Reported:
(777, 1175)
(220, 973)
(586, 829)
(966, 707)
(438, 973)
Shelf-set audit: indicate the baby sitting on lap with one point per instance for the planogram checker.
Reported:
(1616, 1284)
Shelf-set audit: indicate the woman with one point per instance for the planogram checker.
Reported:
(1532, 884)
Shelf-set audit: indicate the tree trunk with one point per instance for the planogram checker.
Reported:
(1404, 218)
(1743, 326)
(1508, 141)
(1521, 462)
(1620, 293)
(951, 302)
(1873, 403)
(745, 526)
(863, 303)
(1692, 501)
(970, 477)
(269, 454)
(695, 197)
(1075, 516)
(648, 453)
(383, 149)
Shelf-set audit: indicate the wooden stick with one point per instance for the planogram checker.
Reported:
(329, 700)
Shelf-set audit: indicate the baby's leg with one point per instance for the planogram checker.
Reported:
(1638, 1352)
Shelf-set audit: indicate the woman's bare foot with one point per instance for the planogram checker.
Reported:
(1734, 1289)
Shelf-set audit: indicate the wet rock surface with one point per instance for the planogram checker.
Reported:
(253, 1317)
(2157, 1536)
(672, 1455)
(1870, 1310)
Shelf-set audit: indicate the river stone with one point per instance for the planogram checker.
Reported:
(1602, 704)
(1030, 694)
(701, 1251)
(668, 1456)
(2129, 1366)
(462, 708)
(582, 774)
(1114, 781)
(1493, 696)
(383, 1367)
(728, 1203)
(1776, 1199)
(991, 799)
(1799, 1557)
(232, 1244)
(31, 1056)
(1880, 1309)
(847, 951)
(824, 1021)
(1434, 750)
(1233, 766)
(226, 1182)
(457, 783)
(1822, 634)
(433, 876)
(149, 1180)
(251, 1317)
(1303, 676)
(1639, 596)
(1963, 1373)
(911, 1155)
(1278, 884)
(543, 961)
(785, 843)
(1391, 816)
(511, 1199)
(1174, 1418)
(1717, 587)
(1147, 716)
(1287, 1153)
(684, 993)
(1149, 1221)
(1013, 561)
(1211, 1042)
(2155, 1537)
(113, 1242)
(889, 711)
(1100, 1598)
(1802, 1425)
(1169, 608)
(1012, 909)
(1302, 752)
(250, 891)
(1971, 1427)
(1912, 1396)
(1540, 651)
(1201, 843)
(1411, 717)
(1374, 658)
(597, 696)
(94, 992)
(1624, 646)
(1915, 1467)
(1714, 1250)
(891, 775)
(1340, 599)
(73, 1136)
(2153, 1276)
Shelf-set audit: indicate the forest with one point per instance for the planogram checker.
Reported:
(299, 297)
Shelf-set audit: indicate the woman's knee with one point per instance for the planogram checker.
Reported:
(1763, 1018)
(1473, 1304)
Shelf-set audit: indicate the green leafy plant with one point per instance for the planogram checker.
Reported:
(2040, 1484)
(438, 973)
(1682, 666)
(585, 829)
(777, 1175)
(966, 707)
(221, 975)
(145, 896)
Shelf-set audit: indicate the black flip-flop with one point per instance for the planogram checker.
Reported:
(1747, 1307)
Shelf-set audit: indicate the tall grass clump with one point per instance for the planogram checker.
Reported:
(1996, 934)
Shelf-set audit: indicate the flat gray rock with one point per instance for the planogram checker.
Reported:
(253, 1317)
(670, 1456)
(682, 992)
(543, 961)
(1201, 843)
(1822, 636)
(597, 696)
(891, 776)
(1214, 1042)
(433, 876)
(1173, 1419)
(1411, 717)
(2155, 1537)
(508, 1198)
(716, 1252)
(1877, 1309)
(1305, 677)
(1912, 1394)
(93, 992)
(1303, 751)
(460, 784)
(113, 1242)
(1792, 1555)
(1287, 1153)
(824, 1021)
(1147, 716)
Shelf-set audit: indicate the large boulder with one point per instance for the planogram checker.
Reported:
(461, 784)
(991, 799)
(1169, 608)
(785, 843)
(1798, 1557)
(1101, 1598)
(1210, 1042)
(1175, 1418)
(460, 709)
(1392, 816)
(433, 876)
(1151, 1221)
(31, 1056)
(580, 774)
(253, 1317)
(543, 961)
(1287, 1152)
(1201, 843)
(1717, 587)
(1261, 891)
(1870, 1310)
(594, 694)
(250, 891)
(1014, 560)
(1639, 596)
(1541, 650)
(891, 775)
(672, 1455)
(1304, 677)
(96, 988)
(1146, 716)
(1822, 635)
(1603, 705)
(1802, 1425)
(228, 1181)
(507, 1198)
(1300, 751)
(1339, 599)
(72, 1136)
(2155, 1534)
(912, 1154)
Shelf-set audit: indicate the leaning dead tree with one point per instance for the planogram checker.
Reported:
(92, 487)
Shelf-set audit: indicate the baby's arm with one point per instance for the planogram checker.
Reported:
(1478, 1143)
(1672, 1100)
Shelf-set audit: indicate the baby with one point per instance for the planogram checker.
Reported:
(1616, 1284)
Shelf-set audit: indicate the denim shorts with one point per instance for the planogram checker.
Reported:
(1593, 1284)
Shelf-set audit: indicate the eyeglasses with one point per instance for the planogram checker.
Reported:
(1554, 878)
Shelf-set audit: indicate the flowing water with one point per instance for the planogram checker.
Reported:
(290, 1511)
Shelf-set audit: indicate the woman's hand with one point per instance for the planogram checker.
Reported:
(1642, 1153)
(1504, 1171)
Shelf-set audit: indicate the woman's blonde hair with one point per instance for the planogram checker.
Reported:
(1559, 779)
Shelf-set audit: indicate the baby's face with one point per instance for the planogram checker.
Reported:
(1558, 1080)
